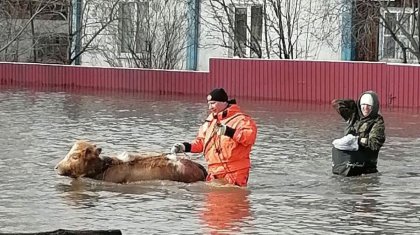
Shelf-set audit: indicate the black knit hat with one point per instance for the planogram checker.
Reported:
(218, 94)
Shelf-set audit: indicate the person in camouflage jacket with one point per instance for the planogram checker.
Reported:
(364, 120)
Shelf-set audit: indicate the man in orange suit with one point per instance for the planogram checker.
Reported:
(226, 139)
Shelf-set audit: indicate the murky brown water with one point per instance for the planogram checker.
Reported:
(291, 189)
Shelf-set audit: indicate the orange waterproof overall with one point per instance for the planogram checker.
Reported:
(227, 158)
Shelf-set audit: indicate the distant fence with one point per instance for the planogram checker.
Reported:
(285, 80)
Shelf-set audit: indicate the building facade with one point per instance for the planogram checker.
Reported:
(185, 34)
(34, 31)
(201, 30)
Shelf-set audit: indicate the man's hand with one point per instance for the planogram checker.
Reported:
(178, 148)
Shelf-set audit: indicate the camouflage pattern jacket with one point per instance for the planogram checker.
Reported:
(371, 127)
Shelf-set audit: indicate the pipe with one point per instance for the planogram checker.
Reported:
(193, 27)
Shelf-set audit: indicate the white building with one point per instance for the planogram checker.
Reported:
(208, 29)
(34, 31)
(311, 31)
(185, 34)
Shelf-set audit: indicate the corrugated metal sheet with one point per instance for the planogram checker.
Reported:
(403, 89)
(292, 80)
(287, 80)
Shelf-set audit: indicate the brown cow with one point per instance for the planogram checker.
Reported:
(83, 160)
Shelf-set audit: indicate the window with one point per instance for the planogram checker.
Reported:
(52, 48)
(240, 32)
(247, 31)
(389, 48)
(256, 30)
(48, 10)
(132, 28)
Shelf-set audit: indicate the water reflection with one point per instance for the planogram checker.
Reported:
(226, 209)
(360, 185)
(72, 107)
(364, 206)
(86, 192)
(76, 194)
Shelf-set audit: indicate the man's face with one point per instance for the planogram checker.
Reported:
(366, 109)
(216, 106)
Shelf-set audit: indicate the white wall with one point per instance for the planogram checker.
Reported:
(105, 47)
(317, 34)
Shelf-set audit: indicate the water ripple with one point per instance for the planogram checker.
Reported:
(291, 188)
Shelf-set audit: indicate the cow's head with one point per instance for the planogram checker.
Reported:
(83, 159)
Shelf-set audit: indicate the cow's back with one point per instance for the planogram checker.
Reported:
(156, 168)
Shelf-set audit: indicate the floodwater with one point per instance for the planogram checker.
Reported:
(291, 188)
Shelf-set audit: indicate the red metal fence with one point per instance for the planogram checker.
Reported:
(288, 80)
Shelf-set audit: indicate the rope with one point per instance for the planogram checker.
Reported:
(192, 158)
(187, 156)
(218, 147)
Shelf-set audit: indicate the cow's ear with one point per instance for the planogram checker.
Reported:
(98, 151)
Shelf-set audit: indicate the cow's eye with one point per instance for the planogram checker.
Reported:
(75, 156)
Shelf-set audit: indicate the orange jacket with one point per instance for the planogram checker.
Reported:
(223, 153)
